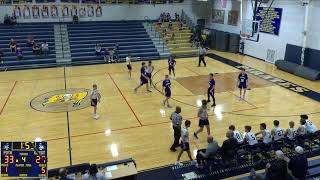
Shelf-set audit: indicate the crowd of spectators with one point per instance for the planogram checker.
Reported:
(38, 48)
(108, 54)
(10, 20)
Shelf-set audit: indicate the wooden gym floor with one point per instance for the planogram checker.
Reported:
(131, 124)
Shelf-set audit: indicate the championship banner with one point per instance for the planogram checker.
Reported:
(270, 19)
(54, 11)
(98, 11)
(65, 11)
(74, 10)
(90, 11)
(26, 12)
(17, 11)
(45, 11)
(35, 11)
(82, 11)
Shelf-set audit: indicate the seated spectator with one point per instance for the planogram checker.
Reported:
(168, 17)
(249, 137)
(277, 132)
(291, 132)
(45, 48)
(63, 174)
(36, 49)
(276, 170)
(13, 20)
(298, 165)
(310, 127)
(176, 15)
(229, 146)
(30, 41)
(93, 174)
(266, 134)
(98, 49)
(160, 22)
(170, 25)
(236, 134)
(203, 154)
(75, 19)
(13, 45)
(6, 19)
(19, 54)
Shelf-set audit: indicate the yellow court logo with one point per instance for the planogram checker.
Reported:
(62, 100)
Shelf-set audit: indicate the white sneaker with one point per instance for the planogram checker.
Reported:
(174, 78)
(178, 163)
(96, 117)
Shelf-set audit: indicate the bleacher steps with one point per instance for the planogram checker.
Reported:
(157, 40)
(62, 46)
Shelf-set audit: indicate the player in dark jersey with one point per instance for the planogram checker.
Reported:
(166, 85)
(242, 83)
(172, 64)
(143, 78)
(211, 88)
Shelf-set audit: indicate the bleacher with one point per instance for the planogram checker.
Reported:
(130, 35)
(40, 31)
(181, 44)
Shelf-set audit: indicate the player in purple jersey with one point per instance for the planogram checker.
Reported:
(243, 83)
(166, 86)
(172, 64)
(143, 78)
(211, 88)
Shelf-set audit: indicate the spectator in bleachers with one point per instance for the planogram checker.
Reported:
(45, 48)
(170, 25)
(229, 147)
(176, 15)
(180, 26)
(211, 149)
(75, 19)
(266, 134)
(36, 49)
(13, 20)
(277, 132)
(291, 131)
(309, 126)
(63, 174)
(298, 165)
(30, 41)
(249, 136)
(277, 170)
(168, 17)
(93, 174)
(98, 49)
(13, 45)
(19, 54)
(6, 19)
(236, 134)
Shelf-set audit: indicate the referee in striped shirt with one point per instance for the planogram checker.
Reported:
(202, 54)
(176, 119)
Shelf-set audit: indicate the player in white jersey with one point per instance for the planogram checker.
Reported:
(149, 70)
(291, 132)
(310, 127)
(250, 138)
(129, 66)
(236, 134)
(95, 99)
(277, 132)
(266, 134)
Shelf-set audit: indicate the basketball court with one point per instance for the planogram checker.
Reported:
(137, 125)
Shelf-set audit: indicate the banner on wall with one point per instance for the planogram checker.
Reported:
(74, 10)
(54, 11)
(82, 11)
(90, 11)
(45, 11)
(233, 17)
(218, 16)
(26, 12)
(98, 11)
(17, 11)
(270, 19)
(35, 11)
(65, 11)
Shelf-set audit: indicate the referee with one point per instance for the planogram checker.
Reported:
(176, 119)
(202, 53)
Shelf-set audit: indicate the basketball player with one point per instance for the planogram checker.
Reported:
(236, 134)
(184, 142)
(249, 137)
(172, 64)
(266, 134)
(203, 119)
(143, 78)
(291, 132)
(277, 132)
(202, 54)
(95, 99)
(129, 66)
(242, 83)
(309, 126)
(211, 89)
(149, 70)
(166, 85)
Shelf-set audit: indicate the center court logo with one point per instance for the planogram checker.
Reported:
(62, 100)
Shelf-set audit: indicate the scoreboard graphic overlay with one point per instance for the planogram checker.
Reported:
(24, 159)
